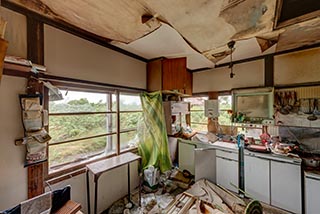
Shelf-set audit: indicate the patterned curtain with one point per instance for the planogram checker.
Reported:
(153, 140)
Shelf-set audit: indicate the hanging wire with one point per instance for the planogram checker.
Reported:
(231, 47)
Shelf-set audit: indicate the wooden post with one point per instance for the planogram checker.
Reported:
(35, 52)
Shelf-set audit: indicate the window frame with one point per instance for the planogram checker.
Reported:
(74, 167)
(192, 111)
(224, 109)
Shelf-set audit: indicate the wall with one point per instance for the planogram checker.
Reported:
(13, 179)
(17, 38)
(250, 74)
(292, 68)
(70, 56)
(298, 67)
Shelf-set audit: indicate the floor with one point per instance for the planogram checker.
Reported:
(162, 198)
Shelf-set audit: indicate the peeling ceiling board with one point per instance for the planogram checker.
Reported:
(198, 30)
(206, 27)
(298, 35)
(166, 41)
(115, 20)
(242, 51)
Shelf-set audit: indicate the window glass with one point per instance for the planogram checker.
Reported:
(225, 105)
(130, 102)
(128, 139)
(129, 120)
(76, 101)
(130, 115)
(81, 119)
(197, 117)
(76, 151)
(69, 127)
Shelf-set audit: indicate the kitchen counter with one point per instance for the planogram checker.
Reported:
(232, 147)
(312, 173)
(275, 157)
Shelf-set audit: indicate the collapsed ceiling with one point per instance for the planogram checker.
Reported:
(199, 30)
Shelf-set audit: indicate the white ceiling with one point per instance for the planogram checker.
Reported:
(167, 42)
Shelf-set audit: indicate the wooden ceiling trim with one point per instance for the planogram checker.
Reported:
(74, 30)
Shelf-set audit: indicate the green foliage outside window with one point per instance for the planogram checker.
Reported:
(72, 127)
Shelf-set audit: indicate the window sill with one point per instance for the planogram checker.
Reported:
(72, 170)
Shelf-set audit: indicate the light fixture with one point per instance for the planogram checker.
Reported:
(231, 47)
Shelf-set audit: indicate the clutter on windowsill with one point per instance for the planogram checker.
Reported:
(36, 137)
(185, 133)
(21, 61)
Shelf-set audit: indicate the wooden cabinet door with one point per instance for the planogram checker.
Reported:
(154, 75)
(173, 74)
(169, 74)
(188, 83)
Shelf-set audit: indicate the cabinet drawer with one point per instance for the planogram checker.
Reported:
(227, 154)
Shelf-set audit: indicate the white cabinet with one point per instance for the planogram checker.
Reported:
(286, 186)
(257, 178)
(186, 156)
(227, 172)
(205, 164)
(312, 194)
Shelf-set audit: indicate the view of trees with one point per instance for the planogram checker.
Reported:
(224, 105)
(72, 127)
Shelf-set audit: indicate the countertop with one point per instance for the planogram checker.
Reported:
(312, 173)
(232, 147)
(275, 157)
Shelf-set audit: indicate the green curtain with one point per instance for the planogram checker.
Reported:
(153, 145)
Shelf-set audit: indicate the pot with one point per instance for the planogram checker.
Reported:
(311, 162)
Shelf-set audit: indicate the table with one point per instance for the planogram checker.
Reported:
(99, 167)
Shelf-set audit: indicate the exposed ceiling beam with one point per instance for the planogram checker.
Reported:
(62, 25)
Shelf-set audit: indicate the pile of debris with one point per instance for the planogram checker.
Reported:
(158, 192)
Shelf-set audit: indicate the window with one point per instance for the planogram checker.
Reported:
(225, 105)
(83, 126)
(130, 115)
(197, 118)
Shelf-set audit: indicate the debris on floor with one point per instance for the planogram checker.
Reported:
(158, 192)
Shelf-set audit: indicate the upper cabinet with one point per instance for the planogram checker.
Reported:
(169, 74)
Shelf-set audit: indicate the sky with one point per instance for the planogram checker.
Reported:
(95, 97)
